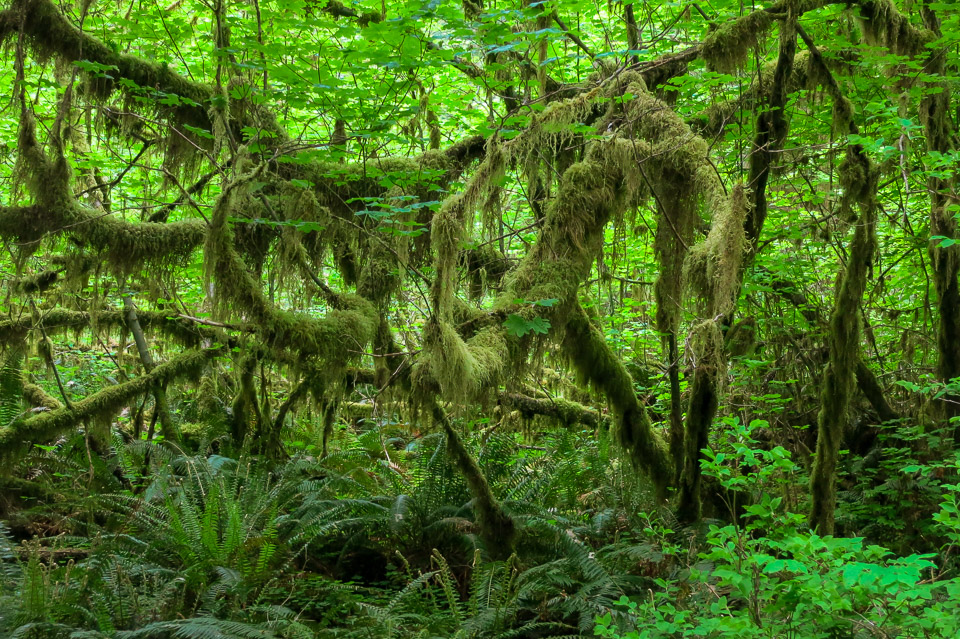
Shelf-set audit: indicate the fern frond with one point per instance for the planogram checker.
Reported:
(198, 628)
(11, 386)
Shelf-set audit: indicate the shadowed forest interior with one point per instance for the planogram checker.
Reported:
(480, 319)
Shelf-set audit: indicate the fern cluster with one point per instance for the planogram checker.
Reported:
(377, 539)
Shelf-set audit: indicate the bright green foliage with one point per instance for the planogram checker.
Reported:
(765, 576)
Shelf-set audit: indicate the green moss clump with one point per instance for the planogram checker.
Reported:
(842, 114)
(883, 25)
(712, 269)
(37, 283)
(726, 48)
(465, 369)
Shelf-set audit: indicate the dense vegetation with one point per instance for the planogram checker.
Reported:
(492, 319)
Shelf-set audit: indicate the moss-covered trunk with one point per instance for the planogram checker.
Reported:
(497, 529)
(702, 409)
(843, 341)
(598, 365)
(736, 228)
(676, 407)
(706, 346)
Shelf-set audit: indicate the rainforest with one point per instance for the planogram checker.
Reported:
(635, 319)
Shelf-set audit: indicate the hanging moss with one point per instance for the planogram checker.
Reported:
(591, 193)
(682, 180)
(857, 181)
(842, 115)
(127, 246)
(712, 269)
(486, 267)
(447, 227)
(52, 35)
(379, 276)
(883, 25)
(807, 73)
(433, 125)
(552, 128)
(338, 137)
(59, 319)
(726, 47)
(713, 121)
(336, 339)
(741, 338)
(771, 124)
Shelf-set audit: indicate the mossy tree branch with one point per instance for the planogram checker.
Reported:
(566, 412)
(597, 364)
(497, 529)
(168, 427)
(102, 404)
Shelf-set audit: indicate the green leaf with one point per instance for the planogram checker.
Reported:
(520, 327)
